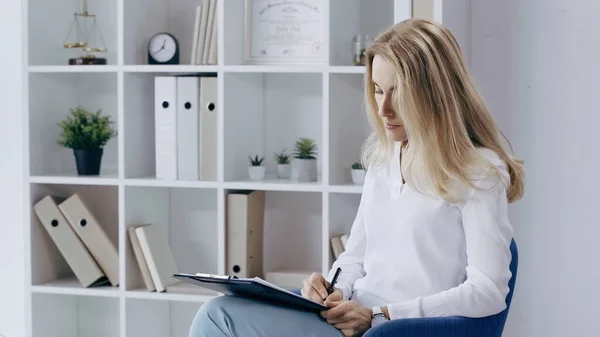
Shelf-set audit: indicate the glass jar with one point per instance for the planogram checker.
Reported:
(360, 43)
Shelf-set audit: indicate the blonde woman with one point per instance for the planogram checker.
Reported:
(431, 236)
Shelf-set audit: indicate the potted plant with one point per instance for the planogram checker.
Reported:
(86, 133)
(358, 173)
(304, 165)
(256, 170)
(284, 169)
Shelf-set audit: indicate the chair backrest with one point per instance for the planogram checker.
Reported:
(499, 319)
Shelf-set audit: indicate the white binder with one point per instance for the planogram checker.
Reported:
(212, 15)
(187, 127)
(245, 227)
(165, 131)
(68, 243)
(209, 111)
(92, 235)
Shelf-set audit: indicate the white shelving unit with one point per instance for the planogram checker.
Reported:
(263, 109)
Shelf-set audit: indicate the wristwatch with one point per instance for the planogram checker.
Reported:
(377, 317)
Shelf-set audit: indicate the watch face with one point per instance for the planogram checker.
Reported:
(162, 47)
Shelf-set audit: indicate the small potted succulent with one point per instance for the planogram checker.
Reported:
(86, 133)
(304, 164)
(358, 173)
(256, 170)
(284, 169)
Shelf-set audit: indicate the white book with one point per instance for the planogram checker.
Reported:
(139, 257)
(202, 32)
(187, 127)
(196, 34)
(154, 241)
(209, 29)
(209, 110)
(165, 131)
(212, 50)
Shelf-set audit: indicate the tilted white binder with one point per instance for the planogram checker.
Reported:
(187, 127)
(165, 131)
(92, 235)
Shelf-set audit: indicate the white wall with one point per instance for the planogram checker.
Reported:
(12, 271)
(538, 64)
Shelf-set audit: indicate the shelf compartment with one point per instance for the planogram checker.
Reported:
(348, 126)
(189, 218)
(49, 24)
(140, 136)
(51, 95)
(71, 316)
(270, 113)
(49, 270)
(349, 18)
(148, 318)
(292, 231)
(146, 18)
(342, 212)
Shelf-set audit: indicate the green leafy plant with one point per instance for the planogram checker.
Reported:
(282, 158)
(306, 148)
(357, 166)
(83, 129)
(256, 161)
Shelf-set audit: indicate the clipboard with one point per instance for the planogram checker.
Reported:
(255, 288)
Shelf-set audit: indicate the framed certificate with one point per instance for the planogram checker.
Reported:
(284, 31)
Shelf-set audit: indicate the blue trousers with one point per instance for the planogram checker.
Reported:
(232, 316)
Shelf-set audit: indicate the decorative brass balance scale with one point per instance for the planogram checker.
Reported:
(85, 38)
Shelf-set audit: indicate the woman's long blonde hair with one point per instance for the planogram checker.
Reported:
(445, 117)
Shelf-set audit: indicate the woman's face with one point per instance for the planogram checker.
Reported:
(383, 78)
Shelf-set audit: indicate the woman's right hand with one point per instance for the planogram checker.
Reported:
(315, 289)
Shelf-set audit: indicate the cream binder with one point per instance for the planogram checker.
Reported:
(154, 241)
(422, 9)
(68, 243)
(139, 256)
(212, 15)
(209, 111)
(187, 127)
(92, 235)
(245, 225)
(202, 33)
(165, 130)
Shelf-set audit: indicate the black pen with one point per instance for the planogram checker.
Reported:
(334, 281)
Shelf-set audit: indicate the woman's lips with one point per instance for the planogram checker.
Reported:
(391, 126)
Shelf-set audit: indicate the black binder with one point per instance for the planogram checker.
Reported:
(255, 288)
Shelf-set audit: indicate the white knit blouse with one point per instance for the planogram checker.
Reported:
(424, 257)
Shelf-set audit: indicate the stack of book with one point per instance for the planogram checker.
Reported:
(204, 44)
(186, 127)
(81, 240)
(338, 244)
(153, 253)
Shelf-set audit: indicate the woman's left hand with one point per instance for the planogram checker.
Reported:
(350, 317)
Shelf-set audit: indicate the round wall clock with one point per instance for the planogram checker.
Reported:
(163, 48)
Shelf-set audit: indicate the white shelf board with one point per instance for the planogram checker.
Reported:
(103, 180)
(347, 69)
(74, 69)
(166, 296)
(309, 68)
(272, 183)
(153, 182)
(72, 286)
(181, 68)
(345, 188)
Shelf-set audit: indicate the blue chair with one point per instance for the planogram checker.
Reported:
(491, 326)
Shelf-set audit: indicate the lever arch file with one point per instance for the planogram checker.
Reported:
(92, 235)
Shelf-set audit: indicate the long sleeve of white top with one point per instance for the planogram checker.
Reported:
(488, 235)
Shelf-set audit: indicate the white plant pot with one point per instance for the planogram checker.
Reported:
(304, 170)
(284, 171)
(358, 176)
(256, 172)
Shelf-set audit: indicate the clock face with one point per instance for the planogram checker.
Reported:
(162, 47)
